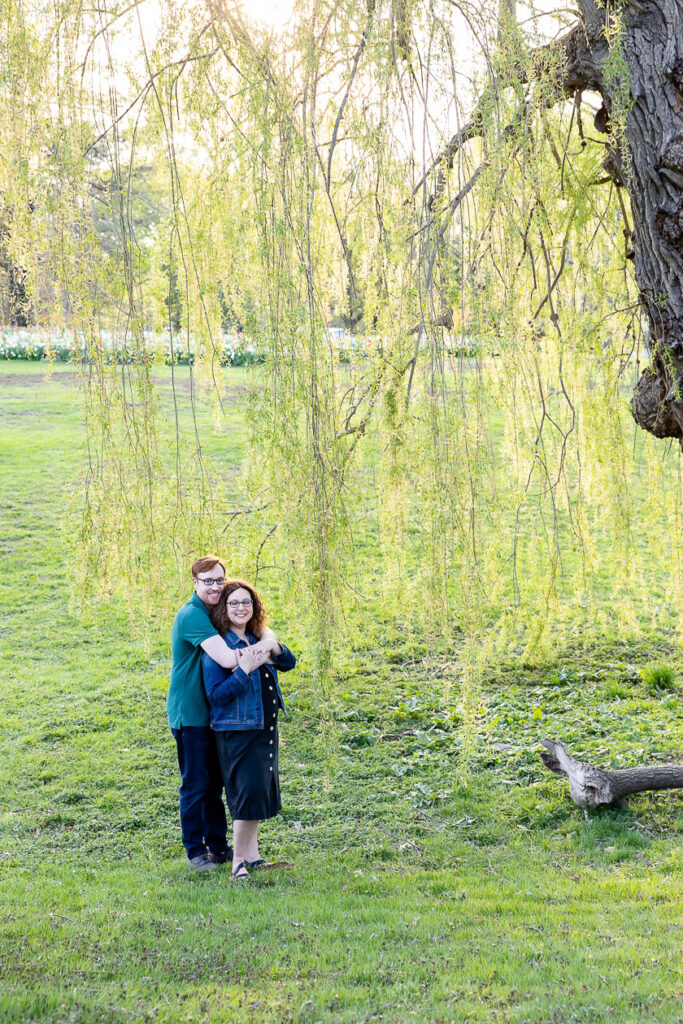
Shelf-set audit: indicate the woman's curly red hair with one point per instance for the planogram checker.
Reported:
(219, 614)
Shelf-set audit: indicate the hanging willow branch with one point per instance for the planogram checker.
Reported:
(628, 63)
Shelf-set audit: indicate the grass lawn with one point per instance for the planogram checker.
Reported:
(412, 896)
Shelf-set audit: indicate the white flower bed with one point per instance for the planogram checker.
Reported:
(68, 346)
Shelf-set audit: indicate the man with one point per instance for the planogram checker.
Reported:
(202, 812)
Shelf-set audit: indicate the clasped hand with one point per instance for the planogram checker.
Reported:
(251, 658)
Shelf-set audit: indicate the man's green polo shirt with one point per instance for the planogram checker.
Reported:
(186, 703)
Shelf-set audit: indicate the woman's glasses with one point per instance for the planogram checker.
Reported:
(240, 604)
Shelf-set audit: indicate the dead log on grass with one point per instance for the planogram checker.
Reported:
(596, 787)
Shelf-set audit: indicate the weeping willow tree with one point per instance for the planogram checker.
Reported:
(484, 203)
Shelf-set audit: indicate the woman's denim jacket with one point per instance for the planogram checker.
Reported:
(235, 697)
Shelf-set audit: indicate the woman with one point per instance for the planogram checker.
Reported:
(244, 705)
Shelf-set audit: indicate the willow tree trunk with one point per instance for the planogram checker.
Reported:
(16, 309)
(631, 54)
(639, 74)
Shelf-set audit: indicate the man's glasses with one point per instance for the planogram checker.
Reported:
(212, 583)
(237, 604)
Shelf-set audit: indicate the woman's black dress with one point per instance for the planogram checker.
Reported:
(249, 762)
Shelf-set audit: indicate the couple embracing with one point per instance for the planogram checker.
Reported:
(222, 707)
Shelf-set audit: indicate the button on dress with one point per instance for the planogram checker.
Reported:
(249, 762)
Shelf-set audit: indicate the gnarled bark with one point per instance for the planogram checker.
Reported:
(653, 46)
(648, 161)
(596, 787)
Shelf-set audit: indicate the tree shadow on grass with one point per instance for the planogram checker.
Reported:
(613, 834)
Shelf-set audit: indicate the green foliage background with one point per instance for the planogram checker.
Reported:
(459, 529)
(482, 480)
(412, 896)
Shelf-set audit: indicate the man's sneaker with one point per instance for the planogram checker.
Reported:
(221, 858)
(202, 862)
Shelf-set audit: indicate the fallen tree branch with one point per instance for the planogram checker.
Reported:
(596, 787)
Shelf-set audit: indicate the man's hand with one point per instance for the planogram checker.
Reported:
(250, 658)
(269, 639)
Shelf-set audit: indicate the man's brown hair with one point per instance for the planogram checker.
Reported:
(205, 563)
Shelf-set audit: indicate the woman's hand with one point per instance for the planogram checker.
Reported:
(251, 658)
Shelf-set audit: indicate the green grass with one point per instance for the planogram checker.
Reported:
(659, 679)
(413, 897)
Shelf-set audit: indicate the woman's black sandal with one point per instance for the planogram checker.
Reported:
(236, 876)
(251, 864)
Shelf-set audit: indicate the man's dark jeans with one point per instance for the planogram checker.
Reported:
(202, 812)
